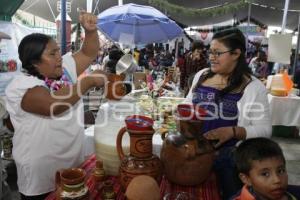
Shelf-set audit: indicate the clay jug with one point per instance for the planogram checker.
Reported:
(116, 88)
(70, 184)
(186, 155)
(140, 160)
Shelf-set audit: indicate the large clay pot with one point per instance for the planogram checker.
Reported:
(140, 160)
(70, 184)
(187, 156)
(116, 88)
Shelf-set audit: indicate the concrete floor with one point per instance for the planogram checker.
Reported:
(290, 146)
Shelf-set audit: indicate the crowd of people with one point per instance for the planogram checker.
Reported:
(45, 107)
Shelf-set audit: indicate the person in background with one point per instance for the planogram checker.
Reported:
(259, 65)
(166, 59)
(270, 68)
(46, 108)
(277, 67)
(136, 54)
(106, 57)
(100, 56)
(297, 73)
(236, 102)
(262, 169)
(194, 62)
(143, 62)
(168, 82)
(114, 56)
(180, 60)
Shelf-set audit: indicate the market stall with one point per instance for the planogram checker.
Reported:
(101, 141)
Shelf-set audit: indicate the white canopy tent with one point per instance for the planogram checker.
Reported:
(265, 11)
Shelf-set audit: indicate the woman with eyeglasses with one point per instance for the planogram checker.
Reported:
(236, 104)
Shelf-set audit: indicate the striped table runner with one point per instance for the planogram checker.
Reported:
(206, 191)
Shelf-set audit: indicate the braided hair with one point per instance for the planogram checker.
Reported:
(30, 52)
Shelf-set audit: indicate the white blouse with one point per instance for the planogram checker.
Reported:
(253, 108)
(42, 145)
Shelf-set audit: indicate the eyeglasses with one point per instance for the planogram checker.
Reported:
(217, 53)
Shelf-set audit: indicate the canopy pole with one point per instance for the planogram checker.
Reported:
(248, 25)
(96, 7)
(63, 27)
(286, 7)
(176, 51)
(249, 14)
(297, 49)
(120, 3)
(51, 10)
(89, 6)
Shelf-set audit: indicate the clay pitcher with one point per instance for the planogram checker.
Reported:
(70, 184)
(186, 155)
(116, 88)
(140, 160)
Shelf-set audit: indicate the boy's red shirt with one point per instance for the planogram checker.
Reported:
(246, 195)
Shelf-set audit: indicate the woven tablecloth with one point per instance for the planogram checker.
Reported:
(206, 191)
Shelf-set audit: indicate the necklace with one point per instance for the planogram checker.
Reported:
(54, 85)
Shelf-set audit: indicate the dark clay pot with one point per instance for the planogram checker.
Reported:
(187, 156)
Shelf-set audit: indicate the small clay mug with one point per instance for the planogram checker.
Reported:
(71, 180)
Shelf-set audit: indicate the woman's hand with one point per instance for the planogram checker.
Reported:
(221, 135)
(90, 46)
(99, 78)
(88, 21)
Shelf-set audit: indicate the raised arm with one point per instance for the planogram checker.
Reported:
(40, 101)
(88, 51)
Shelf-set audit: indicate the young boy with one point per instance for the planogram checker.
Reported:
(261, 166)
